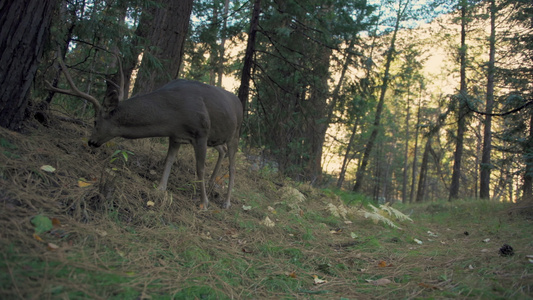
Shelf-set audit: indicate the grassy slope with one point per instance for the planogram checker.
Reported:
(112, 245)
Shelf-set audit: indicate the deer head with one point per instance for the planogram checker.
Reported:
(184, 111)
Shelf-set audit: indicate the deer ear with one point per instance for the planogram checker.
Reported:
(112, 96)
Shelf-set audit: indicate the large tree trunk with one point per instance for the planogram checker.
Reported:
(461, 114)
(485, 167)
(165, 27)
(24, 28)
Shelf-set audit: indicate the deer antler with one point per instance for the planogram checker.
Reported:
(74, 89)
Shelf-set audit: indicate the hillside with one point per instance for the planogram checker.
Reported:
(79, 223)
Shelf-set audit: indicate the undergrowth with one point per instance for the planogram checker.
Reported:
(113, 236)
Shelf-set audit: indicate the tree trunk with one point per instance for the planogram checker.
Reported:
(24, 29)
(461, 115)
(423, 172)
(527, 187)
(485, 167)
(221, 59)
(348, 156)
(379, 109)
(406, 151)
(165, 26)
(249, 56)
(415, 152)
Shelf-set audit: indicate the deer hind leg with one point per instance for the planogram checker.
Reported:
(232, 149)
(222, 149)
(200, 149)
(173, 149)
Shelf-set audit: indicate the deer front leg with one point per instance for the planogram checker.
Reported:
(173, 148)
(200, 149)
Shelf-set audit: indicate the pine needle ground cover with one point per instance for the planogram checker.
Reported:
(78, 223)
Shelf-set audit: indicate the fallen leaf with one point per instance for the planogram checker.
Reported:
(382, 264)
(150, 203)
(381, 281)
(56, 222)
(52, 246)
(37, 237)
(353, 235)
(272, 210)
(429, 286)
(318, 280)
(292, 274)
(48, 168)
(246, 207)
(267, 222)
(83, 183)
(101, 233)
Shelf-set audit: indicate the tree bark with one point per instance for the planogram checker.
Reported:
(165, 27)
(485, 167)
(24, 29)
(246, 74)
(462, 111)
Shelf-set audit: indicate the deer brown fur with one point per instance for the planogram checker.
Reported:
(187, 112)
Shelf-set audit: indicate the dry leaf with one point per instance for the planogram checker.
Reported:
(56, 222)
(318, 280)
(267, 222)
(292, 274)
(382, 264)
(150, 203)
(429, 286)
(37, 237)
(82, 183)
(52, 246)
(101, 233)
(48, 168)
(246, 207)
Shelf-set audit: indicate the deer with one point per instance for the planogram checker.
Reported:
(185, 111)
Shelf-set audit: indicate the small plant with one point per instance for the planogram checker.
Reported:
(120, 153)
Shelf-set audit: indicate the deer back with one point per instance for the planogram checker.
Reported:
(184, 110)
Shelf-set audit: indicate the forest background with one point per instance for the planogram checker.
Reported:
(401, 100)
